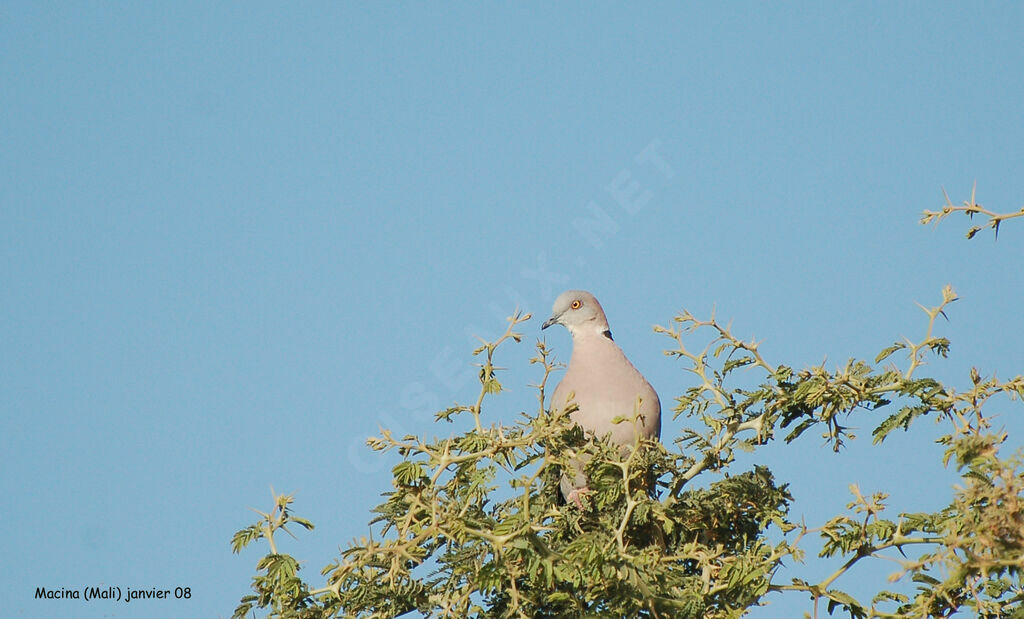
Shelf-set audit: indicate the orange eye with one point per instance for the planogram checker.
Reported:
(576, 304)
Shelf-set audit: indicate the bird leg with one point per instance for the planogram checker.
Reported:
(575, 494)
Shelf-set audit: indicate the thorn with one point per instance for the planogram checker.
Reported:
(949, 203)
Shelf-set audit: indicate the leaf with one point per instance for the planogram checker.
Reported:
(939, 346)
(926, 579)
(837, 598)
(302, 521)
(407, 472)
(245, 537)
(799, 429)
(901, 419)
(889, 351)
(448, 413)
(732, 364)
(889, 596)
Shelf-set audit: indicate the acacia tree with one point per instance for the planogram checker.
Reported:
(474, 525)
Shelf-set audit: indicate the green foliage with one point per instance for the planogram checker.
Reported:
(474, 525)
(277, 585)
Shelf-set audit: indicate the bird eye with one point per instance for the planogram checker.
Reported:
(576, 304)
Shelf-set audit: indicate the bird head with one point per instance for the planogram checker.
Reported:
(579, 312)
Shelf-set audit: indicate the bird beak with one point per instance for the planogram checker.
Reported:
(549, 322)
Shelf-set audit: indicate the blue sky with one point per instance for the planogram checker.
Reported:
(239, 238)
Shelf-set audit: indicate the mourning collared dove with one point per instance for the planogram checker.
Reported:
(601, 381)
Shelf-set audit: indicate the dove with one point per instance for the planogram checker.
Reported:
(602, 383)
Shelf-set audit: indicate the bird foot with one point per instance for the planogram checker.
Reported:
(575, 496)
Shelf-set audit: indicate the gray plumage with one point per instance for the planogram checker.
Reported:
(601, 381)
